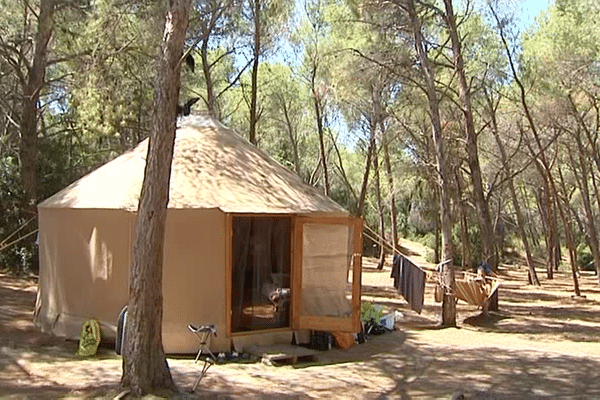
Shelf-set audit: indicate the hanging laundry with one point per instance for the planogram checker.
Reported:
(409, 280)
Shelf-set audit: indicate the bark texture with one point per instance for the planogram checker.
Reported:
(319, 110)
(380, 212)
(31, 96)
(390, 178)
(481, 204)
(532, 275)
(255, 65)
(145, 367)
(584, 186)
(448, 302)
(542, 163)
(360, 206)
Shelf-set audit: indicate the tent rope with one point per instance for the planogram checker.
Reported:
(368, 232)
(18, 240)
(18, 229)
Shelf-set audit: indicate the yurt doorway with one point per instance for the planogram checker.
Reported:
(260, 275)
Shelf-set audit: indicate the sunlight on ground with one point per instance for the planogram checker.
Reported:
(543, 342)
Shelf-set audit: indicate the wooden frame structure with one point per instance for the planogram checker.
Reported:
(298, 319)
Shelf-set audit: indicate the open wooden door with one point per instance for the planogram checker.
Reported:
(327, 274)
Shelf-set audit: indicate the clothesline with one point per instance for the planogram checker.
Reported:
(468, 288)
(368, 232)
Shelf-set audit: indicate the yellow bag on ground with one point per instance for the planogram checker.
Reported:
(89, 339)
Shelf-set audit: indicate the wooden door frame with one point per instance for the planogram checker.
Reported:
(229, 269)
(326, 323)
(296, 247)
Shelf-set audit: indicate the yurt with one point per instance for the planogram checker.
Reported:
(249, 247)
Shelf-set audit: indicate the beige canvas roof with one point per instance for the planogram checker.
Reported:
(213, 167)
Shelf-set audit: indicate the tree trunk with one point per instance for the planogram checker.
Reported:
(569, 239)
(291, 134)
(448, 302)
(352, 194)
(532, 275)
(436, 249)
(481, 204)
(584, 187)
(390, 178)
(585, 197)
(319, 116)
(380, 212)
(464, 224)
(543, 165)
(145, 367)
(211, 103)
(545, 216)
(253, 100)
(28, 150)
(363, 190)
(532, 231)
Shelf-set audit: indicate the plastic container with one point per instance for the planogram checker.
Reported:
(388, 321)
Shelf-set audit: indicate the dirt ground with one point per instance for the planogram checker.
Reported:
(543, 344)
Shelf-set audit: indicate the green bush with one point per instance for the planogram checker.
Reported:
(428, 240)
(585, 259)
(15, 259)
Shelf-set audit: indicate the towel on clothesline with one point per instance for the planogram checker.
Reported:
(409, 280)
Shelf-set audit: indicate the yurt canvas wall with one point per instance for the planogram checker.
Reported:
(84, 272)
(84, 258)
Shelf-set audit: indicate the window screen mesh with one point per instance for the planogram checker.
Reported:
(326, 263)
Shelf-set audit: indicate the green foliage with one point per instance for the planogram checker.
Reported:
(15, 259)
(354, 59)
(112, 92)
(585, 259)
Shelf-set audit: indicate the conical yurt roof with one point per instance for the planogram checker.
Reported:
(213, 167)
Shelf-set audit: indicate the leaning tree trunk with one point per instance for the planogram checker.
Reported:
(481, 204)
(380, 212)
(584, 187)
(585, 194)
(320, 130)
(211, 101)
(390, 178)
(543, 165)
(28, 150)
(569, 237)
(448, 301)
(145, 367)
(255, 65)
(290, 130)
(464, 224)
(546, 210)
(532, 275)
(360, 206)
(436, 248)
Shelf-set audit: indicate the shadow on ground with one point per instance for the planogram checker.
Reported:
(521, 352)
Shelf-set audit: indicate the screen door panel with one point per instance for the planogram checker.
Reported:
(327, 292)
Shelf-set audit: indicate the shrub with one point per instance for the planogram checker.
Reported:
(585, 259)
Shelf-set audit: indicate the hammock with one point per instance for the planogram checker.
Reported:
(475, 290)
(471, 288)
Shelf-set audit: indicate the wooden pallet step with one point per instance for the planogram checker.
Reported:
(284, 354)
